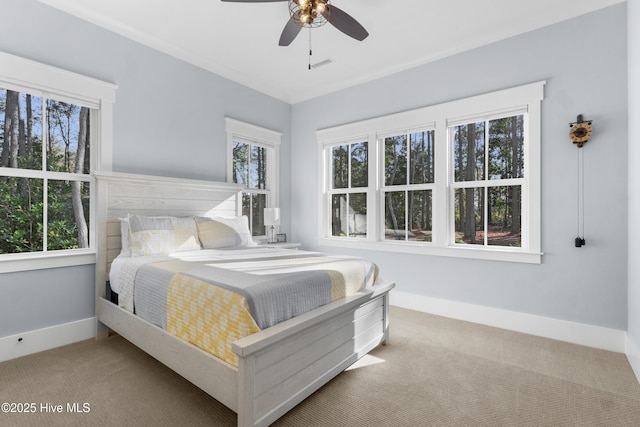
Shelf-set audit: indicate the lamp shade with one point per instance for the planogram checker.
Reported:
(272, 216)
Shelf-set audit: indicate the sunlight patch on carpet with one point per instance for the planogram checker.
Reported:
(366, 360)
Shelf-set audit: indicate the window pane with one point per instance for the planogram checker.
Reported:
(395, 216)
(421, 158)
(337, 200)
(506, 148)
(468, 152)
(420, 209)
(68, 215)
(250, 165)
(395, 160)
(468, 216)
(349, 215)
(67, 137)
(253, 207)
(246, 205)
(340, 169)
(21, 218)
(359, 165)
(259, 202)
(241, 163)
(504, 213)
(20, 130)
(258, 168)
(358, 215)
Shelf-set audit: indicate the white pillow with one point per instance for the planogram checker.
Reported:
(161, 235)
(224, 232)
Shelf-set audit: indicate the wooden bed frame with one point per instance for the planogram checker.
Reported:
(277, 367)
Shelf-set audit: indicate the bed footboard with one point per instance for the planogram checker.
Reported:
(282, 365)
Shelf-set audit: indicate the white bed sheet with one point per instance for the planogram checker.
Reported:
(239, 253)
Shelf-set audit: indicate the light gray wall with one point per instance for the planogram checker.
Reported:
(168, 120)
(634, 172)
(584, 63)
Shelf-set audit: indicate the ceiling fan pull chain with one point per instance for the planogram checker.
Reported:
(310, 51)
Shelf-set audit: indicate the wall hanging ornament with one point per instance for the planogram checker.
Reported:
(580, 133)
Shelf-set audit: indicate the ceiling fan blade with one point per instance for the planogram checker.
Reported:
(289, 33)
(345, 22)
(253, 1)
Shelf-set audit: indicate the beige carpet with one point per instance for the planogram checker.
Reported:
(435, 372)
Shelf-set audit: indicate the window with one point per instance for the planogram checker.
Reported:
(457, 179)
(253, 162)
(408, 186)
(48, 211)
(54, 132)
(488, 169)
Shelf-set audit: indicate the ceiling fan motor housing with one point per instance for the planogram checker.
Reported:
(309, 13)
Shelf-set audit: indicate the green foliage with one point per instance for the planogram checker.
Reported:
(62, 235)
(20, 219)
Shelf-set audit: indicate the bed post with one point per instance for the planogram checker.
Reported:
(385, 319)
(246, 402)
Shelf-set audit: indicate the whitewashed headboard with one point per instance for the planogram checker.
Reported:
(119, 194)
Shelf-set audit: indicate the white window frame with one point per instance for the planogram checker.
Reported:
(527, 98)
(237, 130)
(327, 184)
(49, 82)
(484, 183)
(381, 136)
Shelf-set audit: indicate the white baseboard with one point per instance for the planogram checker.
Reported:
(633, 355)
(47, 338)
(573, 332)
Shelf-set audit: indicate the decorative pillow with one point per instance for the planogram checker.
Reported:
(224, 232)
(161, 235)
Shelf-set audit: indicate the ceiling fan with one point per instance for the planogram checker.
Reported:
(314, 13)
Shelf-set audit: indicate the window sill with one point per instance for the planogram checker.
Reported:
(10, 263)
(490, 254)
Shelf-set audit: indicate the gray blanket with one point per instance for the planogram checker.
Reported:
(276, 289)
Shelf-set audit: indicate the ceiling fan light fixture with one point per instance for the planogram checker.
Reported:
(309, 13)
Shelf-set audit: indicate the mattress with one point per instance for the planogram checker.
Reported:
(212, 298)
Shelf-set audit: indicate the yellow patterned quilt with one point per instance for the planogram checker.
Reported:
(208, 316)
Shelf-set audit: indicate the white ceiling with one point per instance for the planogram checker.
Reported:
(240, 41)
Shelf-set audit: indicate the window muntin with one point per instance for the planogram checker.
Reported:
(488, 175)
(45, 167)
(349, 165)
